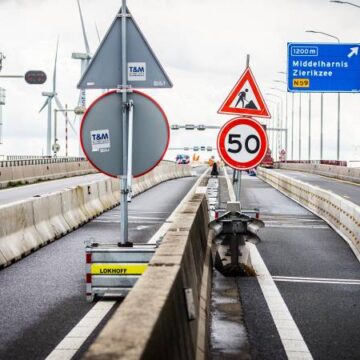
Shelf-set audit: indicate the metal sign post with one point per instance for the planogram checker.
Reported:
(124, 61)
(239, 173)
(123, 182)
(130, 148)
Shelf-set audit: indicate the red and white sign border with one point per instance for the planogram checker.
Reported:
(222, 137)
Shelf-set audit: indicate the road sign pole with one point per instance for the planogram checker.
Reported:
(130, 148)
(292, 126)
(238, 185)
(338, 131)
(124, 184)
(309, 145)
(321, 124)
(299, 126)
(286, 124)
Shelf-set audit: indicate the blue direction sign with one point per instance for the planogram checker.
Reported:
(323, 67)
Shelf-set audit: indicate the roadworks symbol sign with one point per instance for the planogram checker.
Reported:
(245, 98)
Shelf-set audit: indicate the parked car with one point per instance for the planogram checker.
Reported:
(182, 159)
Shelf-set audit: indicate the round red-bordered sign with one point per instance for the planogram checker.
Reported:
(242, 143)
(101, 133)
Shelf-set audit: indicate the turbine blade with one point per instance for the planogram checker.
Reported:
(54, 74)
(72, 128)
(83, 29)
(97, 32)
(44, 106)
(59, 105)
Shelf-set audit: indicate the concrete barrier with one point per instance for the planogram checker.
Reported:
(18, 234)
(29, 224)
(164, 328)
(27, 174)
(341, 214)
(333, 171)
(49, 220)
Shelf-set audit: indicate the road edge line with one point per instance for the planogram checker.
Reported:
(289, 333)
(77, 336)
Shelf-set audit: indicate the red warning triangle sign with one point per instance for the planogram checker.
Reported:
(245, 98)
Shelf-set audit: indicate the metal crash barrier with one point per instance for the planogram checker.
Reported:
(232, 230)
(112, 270)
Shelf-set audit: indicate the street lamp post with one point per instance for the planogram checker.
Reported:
(272, 138)
(286, 114)
(338, 97)
(292, 116)
(309, 144)
(292, 125)
(299, 125)
(278, 135)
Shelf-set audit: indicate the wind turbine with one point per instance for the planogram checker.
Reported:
(48, 102)
(84, 57)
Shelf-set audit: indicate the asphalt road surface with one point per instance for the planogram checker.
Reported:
(43, 296)
(347, 190)
(26, 191)
(315, 271)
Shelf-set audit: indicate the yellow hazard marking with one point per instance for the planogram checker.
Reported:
(301, 83)
(118, 269)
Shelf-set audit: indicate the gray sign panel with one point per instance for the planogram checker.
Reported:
(101, 133)
(143, 68)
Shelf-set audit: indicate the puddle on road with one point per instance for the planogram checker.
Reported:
(228, 333)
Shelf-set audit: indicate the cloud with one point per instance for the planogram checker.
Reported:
(202, 44)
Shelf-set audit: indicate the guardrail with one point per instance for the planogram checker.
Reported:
(341, 214)
(30, 224)
(12, 161)
(324, 162)
(19, 172)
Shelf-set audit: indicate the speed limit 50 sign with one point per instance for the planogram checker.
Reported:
(242, 143)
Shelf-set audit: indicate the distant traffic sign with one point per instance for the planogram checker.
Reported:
(35, 77)
(101, 133)
(143, 68)
(242, 143)
(245, 98)
(323, 67)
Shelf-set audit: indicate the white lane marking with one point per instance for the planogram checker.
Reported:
(130, 222)
(165, 227)
(142, 227)
(146, 212)
(133, 220)
(72, 342)
(317, 280)
(294, 226)
(147, 218)
(291, 338)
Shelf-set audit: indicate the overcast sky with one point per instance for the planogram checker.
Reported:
(202, 44)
